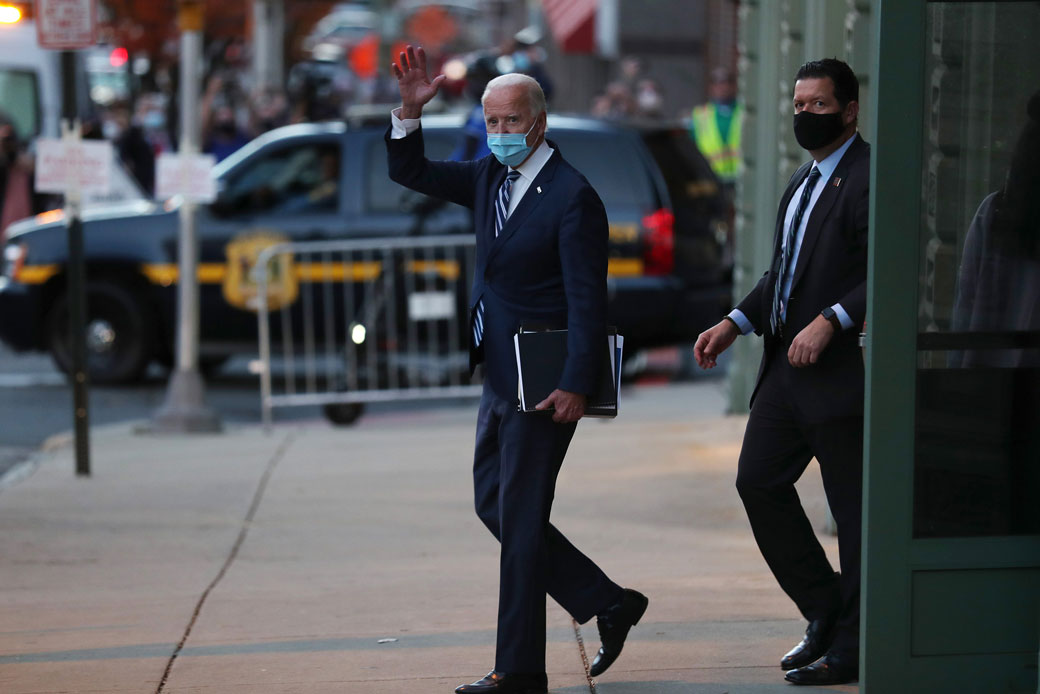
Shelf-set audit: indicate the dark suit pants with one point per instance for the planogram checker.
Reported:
(778, 444)
(516, 460)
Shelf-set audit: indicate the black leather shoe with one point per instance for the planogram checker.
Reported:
(832, 668)
(501, 683)
(813, 645)
(613, 628)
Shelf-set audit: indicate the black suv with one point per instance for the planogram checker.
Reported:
(669, 279)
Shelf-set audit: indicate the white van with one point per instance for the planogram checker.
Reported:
(31, 94)
(30, 85)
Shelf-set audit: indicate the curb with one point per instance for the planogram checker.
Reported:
(55, 442)
(20, 471)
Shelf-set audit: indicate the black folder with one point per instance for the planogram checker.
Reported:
(540, 357)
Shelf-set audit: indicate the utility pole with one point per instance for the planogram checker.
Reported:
(389, 29)
(76, 285)
(268, 30)
(184, 409)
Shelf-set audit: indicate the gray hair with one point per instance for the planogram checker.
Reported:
(535, 95)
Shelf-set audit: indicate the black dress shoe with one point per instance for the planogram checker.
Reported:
(613, 628)
(813, 645)
(502, 683)
(832, 668)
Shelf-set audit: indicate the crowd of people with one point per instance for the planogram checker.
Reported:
(631, 95)
(18, 198)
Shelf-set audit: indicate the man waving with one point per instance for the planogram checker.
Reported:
(541, 258)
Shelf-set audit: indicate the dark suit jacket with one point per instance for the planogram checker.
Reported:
(832, 268)
(548, 266)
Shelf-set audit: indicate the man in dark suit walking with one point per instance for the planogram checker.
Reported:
(541, 258)
(808, 401)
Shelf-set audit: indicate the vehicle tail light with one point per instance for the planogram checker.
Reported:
(659, 242)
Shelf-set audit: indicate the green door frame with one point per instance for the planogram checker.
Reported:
(891, 555)
(891, 364)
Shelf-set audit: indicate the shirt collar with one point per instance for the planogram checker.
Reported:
(530, 168)
(828, 165)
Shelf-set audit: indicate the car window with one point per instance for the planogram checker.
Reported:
(382, 194)
(612, 165)
(19, 94)
(292, 180)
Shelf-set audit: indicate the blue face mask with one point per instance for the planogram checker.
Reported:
(510, 148)
(154, 120)
(521, 61)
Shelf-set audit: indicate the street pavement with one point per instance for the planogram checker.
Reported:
(318, 559)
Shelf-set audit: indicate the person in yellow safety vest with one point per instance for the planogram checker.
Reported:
(715, 126)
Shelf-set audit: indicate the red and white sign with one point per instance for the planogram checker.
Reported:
(187, 175)
(573, 24)
(68, 166)
(66, 24)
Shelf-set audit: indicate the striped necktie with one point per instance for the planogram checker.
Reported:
(501, 212)
(787, 249)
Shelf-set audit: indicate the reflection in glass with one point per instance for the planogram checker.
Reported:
(977, 453)
(999, 282)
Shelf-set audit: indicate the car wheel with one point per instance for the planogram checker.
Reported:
(343, 413)
(118, 334)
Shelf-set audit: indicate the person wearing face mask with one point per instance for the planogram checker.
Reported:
(541, 258)
(132, 146)
(808, 401)
(221, 136)
(150, 115)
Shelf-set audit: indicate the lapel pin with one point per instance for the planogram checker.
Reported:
(837, 182)
(539, 189)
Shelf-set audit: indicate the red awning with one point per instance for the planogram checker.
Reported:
(573, 24)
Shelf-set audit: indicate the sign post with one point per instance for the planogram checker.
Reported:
(184, 409)
(68, 25)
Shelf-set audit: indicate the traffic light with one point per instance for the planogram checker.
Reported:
(118, 57)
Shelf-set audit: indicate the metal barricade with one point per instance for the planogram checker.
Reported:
(352, 322)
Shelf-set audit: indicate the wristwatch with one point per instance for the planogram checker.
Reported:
(830, 315)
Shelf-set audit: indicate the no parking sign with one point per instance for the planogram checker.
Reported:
(66, 24)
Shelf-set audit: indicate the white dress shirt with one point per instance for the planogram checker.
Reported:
(826, 168)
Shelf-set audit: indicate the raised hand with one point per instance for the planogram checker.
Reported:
(413, 82)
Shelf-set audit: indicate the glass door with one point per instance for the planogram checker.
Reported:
(952, 577)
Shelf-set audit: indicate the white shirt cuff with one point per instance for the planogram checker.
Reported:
(401, 127)
(846, 322)
(741, 320)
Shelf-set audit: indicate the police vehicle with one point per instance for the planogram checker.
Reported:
(669, 273)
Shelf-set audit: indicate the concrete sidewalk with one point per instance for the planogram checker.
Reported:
(349, 560)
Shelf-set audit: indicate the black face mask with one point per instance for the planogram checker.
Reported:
(816, 130)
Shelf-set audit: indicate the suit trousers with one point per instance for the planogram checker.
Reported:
(516, 460)
(778, 444)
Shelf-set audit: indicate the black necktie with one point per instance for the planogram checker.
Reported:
(501, 212)
(787, 248)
